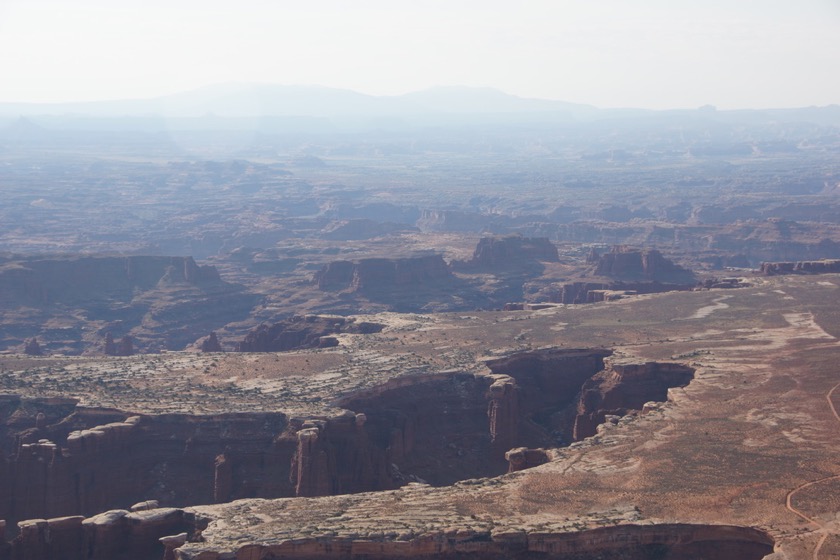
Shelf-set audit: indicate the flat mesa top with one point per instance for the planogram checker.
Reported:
(751, 441)
(681, 327)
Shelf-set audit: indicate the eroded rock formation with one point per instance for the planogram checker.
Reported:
(370, 275)
(59, 459)
(826, 266)
(623, 542)
(624, 263)
(115, 534)
(311, 331)
(61, 462)
(32, 348)
(78, 278)
(211, 343)
(624, 388)
(593, 292)
(510, 251)
(68, 303)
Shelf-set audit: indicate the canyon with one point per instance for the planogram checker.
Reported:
(365, 452)
(61, 460)
(601, 334)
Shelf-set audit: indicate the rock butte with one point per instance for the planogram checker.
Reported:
(627, 434)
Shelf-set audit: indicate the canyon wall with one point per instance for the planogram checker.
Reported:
(61, 461)
(800, 267)
(70, 304)
(311, 331)
(499, 253)
(373, 274)
(168, 533)
(41, 281)
(623, 263)
(623, 388)
(673, 541)
(58, 459)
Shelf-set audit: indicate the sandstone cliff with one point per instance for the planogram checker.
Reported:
(311, 331)
(825, 266)
(623, 263)
(624, 388)
(371, 275)
(71, 303)
(510, 251)
(79, 278)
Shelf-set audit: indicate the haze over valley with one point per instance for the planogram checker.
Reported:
(583, 305)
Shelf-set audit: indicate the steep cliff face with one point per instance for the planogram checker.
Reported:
(60, 460)
(624, 388)
(623, 263)
(511, 251)
(80, 278)
(458, 426)
(369, 275)
(70, 303)
(593, 292)
(548, 382)
(312, 331)
(674, 541)
(112, 535)
(826, 266)
(335, 456)
(436, 429)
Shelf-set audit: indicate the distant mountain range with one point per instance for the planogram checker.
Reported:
(266, 100)
(232, 106)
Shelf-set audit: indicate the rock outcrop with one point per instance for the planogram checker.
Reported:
(32, 348)
(125, 347)
(623, 263)
(39, 281)
(510, 251)
(335, 456)
(624, 388)
(625, 541)
(210, 344)
(115, 534)
(174, 533)
(826, 266)
(311, 331)
(593, 292)
(69, 303)
(522, 458)
(371, 275)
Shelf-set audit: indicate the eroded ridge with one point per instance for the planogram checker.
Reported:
(63, 460)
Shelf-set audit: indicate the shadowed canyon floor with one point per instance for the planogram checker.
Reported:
(739, 461)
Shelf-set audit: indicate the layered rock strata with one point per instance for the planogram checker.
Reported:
(369, 275)
(826, 266)
(311, 331)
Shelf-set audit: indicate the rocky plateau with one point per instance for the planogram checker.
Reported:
(395, 445)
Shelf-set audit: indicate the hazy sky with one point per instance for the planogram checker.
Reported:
(640, 53)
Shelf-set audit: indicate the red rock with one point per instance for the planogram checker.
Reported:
(624, 388)
(512, 251)
(367, 275)
(211, 344)
(311, 331)
(623, 263)
(801, 267)
(32, 348)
